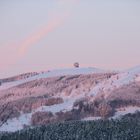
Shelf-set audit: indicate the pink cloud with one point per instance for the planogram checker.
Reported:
(52, 25)
(21, 48)
(18, 50)
(37, 36)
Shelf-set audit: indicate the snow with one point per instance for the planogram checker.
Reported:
(66, 106)
(96, 90)
(72, 71)
(127, 77)
(16, 124)
(12, 84)
(53, 73)
(116, 81)
(132, 73)
(123, 78)
(91, 118)
(125, 110)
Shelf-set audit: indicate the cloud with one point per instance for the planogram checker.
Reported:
(18, 50)
(30, 41)
(57, 18)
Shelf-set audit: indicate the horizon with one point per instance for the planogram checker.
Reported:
(45, 35)
(70, 68)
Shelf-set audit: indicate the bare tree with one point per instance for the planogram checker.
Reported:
(105, 110)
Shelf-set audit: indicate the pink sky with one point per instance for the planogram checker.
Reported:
(41, 35)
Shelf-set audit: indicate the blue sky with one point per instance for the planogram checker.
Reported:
(49, 34)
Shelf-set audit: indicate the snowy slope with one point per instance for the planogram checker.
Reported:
(16, 124)
(118, 80)
(126, 110)
(123, 78)
(53, 73)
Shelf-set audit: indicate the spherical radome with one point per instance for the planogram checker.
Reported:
(76, 65)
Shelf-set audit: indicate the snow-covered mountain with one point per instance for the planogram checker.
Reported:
(17, 80)
(67, 94)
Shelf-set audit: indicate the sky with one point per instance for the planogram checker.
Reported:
(39, 35)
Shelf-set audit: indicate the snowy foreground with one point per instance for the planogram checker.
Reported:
(90, 92)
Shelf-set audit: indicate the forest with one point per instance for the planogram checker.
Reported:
(125, 128)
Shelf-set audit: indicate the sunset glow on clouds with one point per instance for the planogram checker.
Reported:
(51, 34)
(57, 19)
(36, 37)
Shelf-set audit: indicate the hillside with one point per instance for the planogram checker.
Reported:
(67, 95)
